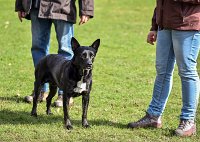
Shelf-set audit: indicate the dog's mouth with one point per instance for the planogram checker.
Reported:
(89, 67)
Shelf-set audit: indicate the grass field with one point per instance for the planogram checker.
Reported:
(123, 80)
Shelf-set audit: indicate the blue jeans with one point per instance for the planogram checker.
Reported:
(181, 47)
(41, 30)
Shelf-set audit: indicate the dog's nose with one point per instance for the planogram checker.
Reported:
(89, 65)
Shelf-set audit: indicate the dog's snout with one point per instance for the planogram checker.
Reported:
(89, 65)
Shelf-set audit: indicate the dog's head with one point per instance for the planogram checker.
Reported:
(84, 55)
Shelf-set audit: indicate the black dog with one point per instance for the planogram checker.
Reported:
(74, 77)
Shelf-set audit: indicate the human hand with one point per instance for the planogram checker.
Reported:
(21, 15)
(151, 37)
(84, 19)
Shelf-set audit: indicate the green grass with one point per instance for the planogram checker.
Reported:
(123, 79)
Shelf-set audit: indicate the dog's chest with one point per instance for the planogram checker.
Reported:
(80, 87)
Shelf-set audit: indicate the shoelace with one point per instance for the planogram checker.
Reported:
(183, 124)
(144, 119)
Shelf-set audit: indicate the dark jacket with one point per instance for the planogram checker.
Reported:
(58, 9)
(177, 15)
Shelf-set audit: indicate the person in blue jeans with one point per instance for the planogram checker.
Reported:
(177, 31)
(44, 13)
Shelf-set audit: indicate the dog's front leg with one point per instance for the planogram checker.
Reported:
(85, 103)
(67, 122)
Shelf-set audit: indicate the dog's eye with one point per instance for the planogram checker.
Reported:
(91, 55)
(84, 56)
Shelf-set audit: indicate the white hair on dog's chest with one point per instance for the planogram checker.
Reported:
(81, 86)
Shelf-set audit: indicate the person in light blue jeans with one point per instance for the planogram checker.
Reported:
(175, 26)
(181, 47)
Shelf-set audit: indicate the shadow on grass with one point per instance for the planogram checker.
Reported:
(14, 99)
(169, 132)
(21, 117)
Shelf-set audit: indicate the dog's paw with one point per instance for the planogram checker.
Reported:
(85, 123)
(34, 114)
(69, 127)
(86, 126)
(49, 113)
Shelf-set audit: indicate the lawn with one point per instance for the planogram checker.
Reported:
(124, 73)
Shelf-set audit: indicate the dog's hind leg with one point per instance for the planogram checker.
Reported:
(67, 122)
(85, 103)
(53, 90)
(37, 89)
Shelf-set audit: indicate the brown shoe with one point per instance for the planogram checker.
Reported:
(147, 121)
(28, 99)
(42, 97)
(59, 101)
(186, 128)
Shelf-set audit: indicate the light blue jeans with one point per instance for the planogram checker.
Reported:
(181, 47)
(41, 30)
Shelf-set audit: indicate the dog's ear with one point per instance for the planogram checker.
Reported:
(74, 43)
(96, 44)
